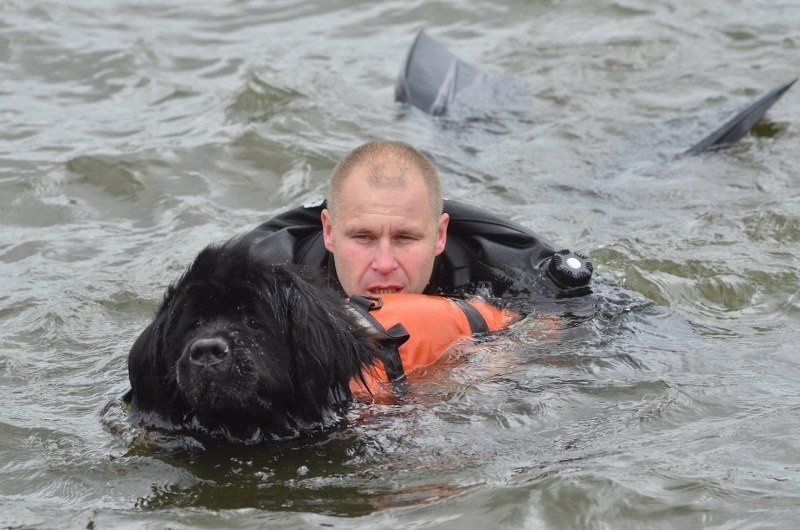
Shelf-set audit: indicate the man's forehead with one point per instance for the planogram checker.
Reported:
(385, 224)
(386, 209)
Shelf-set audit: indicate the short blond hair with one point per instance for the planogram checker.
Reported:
(387, 163)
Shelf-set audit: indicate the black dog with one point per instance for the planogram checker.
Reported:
(247, 351)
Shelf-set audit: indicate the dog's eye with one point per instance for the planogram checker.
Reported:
(253, 323)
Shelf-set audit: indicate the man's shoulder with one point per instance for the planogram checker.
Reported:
(477, 226)
(293, 236)
(307, 215)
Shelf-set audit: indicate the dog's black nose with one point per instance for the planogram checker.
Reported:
(208, 351)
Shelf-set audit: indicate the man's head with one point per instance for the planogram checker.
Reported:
(384, 223)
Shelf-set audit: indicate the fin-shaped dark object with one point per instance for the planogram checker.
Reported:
(437, 82)
(739, 125)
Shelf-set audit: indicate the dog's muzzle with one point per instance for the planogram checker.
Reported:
(208, 352)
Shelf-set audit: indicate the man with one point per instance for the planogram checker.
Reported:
(387, 229)
(384, 223)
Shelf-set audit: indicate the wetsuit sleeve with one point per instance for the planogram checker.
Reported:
(486, 249)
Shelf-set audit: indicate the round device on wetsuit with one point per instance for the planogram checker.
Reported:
(570, 270)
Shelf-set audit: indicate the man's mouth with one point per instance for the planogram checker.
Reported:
(384, 290)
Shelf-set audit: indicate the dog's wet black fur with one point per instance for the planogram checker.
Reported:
(247, 351)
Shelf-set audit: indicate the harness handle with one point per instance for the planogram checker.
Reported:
(392, 338)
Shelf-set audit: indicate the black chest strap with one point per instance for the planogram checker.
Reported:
(476, 321)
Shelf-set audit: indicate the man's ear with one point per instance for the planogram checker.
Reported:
(327, 229)
(441, 233)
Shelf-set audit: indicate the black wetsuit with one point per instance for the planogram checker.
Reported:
(484, 253)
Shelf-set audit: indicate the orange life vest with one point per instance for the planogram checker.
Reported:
(433, 324)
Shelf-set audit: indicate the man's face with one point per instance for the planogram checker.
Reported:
(384, 239)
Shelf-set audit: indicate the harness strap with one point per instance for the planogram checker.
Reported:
(476, 321)
(392, 338)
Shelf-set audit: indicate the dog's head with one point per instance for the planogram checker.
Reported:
(247, 350)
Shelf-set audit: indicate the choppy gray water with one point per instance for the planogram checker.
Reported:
(134, 133)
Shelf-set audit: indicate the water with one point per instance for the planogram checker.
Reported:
(134, 133)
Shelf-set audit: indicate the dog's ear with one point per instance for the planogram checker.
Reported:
(330, 346)
(146, 367)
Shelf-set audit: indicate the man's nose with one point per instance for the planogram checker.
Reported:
(384, 260)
